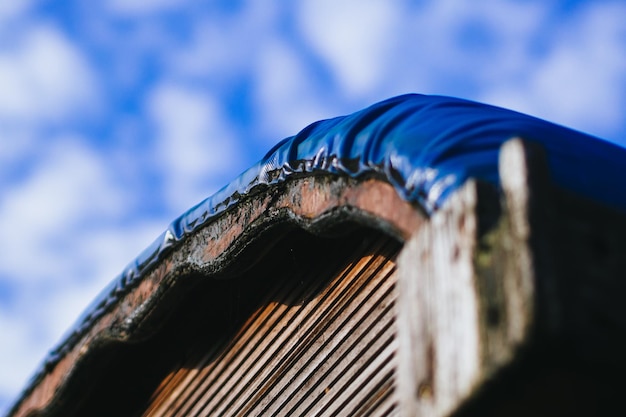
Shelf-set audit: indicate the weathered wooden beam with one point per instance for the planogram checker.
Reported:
(516, 305)
(466, 292)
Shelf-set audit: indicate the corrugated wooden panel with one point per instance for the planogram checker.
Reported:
(331, 354)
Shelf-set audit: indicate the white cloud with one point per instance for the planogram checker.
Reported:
(482, 39)
(287, 95)
(137, 8)
(12, 11)
(377, 49)
(223, 46)
(64, 242)
(354, 37)
(226, 49)
(195, 146)
(29, 333)
(45, 78)
(20, 354)
(101, 256)
(581, 83)
(210, 51)
(16, 146)
(68, 189)
(456, 47)
(579, 80)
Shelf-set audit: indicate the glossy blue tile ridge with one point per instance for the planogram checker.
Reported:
(425, 146)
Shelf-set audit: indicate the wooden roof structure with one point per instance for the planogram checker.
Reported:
(308, 257)
(330, 294)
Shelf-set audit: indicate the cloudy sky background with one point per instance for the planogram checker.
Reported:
(118, 115)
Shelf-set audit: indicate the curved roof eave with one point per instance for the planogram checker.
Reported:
(424, 146)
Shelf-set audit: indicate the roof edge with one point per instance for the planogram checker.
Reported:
(316, 204)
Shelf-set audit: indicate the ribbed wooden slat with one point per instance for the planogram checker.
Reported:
(335, 349)
(379, 399)
(308, 343)
(191, 378)
(333, 354)
(248, 350)
(296, 326)
(184, 385)
(213, 369)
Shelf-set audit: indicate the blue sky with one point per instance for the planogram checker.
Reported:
(118, 115)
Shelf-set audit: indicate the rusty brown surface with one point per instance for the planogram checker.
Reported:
(305, 202)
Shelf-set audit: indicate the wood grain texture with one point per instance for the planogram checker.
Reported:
(438, 307)
(333, 355)
(467, 292)
(513, 305)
